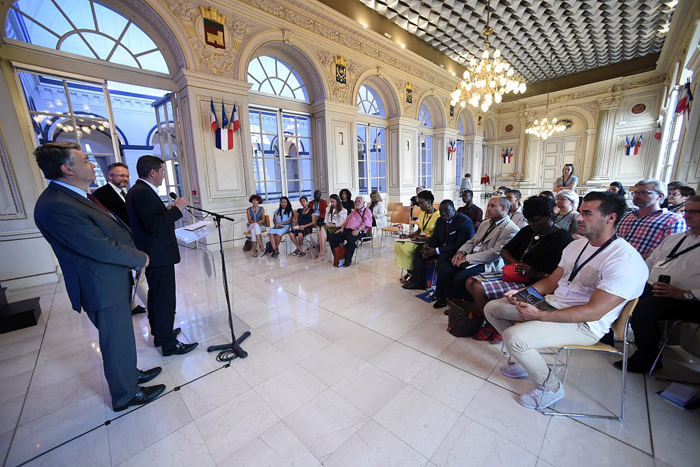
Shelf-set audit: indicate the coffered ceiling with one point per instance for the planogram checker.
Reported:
(582, 35)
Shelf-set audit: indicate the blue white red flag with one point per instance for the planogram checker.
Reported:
(451, 150)
(638, 145)
(234, 119)
(657, 135)
(685, 99)
(224, 138)
(224, 120)
(214, 122)
(627, 146)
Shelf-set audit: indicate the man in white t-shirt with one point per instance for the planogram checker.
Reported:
(596, 276)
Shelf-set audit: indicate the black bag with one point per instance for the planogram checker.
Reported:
(268, 249)
(464, 318)
(248, 245)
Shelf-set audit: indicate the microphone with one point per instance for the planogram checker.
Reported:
(173, 195)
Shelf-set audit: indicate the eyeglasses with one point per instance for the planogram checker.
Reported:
(646, 192)
(673, 195)
(561, 198)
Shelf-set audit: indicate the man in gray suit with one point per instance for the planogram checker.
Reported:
(96, 251)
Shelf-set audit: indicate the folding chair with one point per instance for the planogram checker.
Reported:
(669, 333)
(621, 328)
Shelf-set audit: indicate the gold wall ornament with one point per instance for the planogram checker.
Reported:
(287, 36)
(341, 70)
(214, 28)
(409, 93)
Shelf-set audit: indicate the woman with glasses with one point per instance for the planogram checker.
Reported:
(567, 181)
(533, 254)
(567, 202)
(408, 245)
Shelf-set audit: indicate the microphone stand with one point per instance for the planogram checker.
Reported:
(227, 352)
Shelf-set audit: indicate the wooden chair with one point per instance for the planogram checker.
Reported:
(621, 328)
(263, 232)
(400, 217)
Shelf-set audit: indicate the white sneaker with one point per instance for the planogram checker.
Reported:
(532, 398)
(514, 370)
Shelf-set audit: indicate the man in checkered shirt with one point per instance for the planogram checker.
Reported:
(645, 228)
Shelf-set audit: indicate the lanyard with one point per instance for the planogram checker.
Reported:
(535, 240)
(488, 231)
(426, 221)
(578, 268)
(673, 255)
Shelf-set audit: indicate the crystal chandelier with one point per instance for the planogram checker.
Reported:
(489, 79)
(544, 128)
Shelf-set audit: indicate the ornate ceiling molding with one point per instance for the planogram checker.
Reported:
(306, 15)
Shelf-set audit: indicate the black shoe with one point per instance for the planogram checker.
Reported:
(144, 396)
(138, 309)
(637, 366)
(412, 286)
(440, 303)
(180, 349)
(148, 375)
(347, 263)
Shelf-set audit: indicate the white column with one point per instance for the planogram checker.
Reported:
(606, 126)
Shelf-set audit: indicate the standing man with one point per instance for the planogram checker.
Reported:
(96, 251)
(154, 232)
(113, 197)
(646, 227)
(358, 221)
(516, 208)
(471, 210)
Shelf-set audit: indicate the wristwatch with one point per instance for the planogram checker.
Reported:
(688, 295)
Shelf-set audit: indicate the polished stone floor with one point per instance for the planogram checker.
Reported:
(345, 368)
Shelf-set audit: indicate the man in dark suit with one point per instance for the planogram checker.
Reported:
(96, 251)
(113, 197)
(153, 225)
(452, 230)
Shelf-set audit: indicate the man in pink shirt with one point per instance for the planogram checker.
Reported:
(359, 220)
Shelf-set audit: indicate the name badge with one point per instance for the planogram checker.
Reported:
(476, 249)
(661, 264)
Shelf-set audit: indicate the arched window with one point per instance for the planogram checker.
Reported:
(424, 117)
(272, 75)
(84, 27)
(369, 102)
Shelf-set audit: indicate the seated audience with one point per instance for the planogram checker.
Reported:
(452, 230)
(346, 200)
(550, 195)
(378, 210)
(596, 276)
(304, 222)
(414, 202)
(482, 253)
(617, 188)
(567, 181)
(335, 217)
(567, 202)
(534, 253)
(406, 251)
(319, 205)
(358, 221)
(471, 210)
(281, 224)
(501, 191)
(256, 221)
(678, 258)
(677, 196)
(672, 184)
(516, 209)
(646, 227)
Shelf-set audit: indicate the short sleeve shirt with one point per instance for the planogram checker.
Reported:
(618, 270)
(569, 182)
(645, 233)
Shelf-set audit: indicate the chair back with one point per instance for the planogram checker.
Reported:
(622, 322)
(400, 216)
(267, 221)
(394, 206)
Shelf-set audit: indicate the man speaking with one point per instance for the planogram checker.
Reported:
(153, 225)
(95, 250)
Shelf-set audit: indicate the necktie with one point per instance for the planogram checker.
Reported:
(123, 193)
(92, 198)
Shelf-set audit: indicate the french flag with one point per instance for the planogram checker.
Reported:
(627, 146)
(685, 99)
(657, 135)
(214, 122)
(234, 119)
(638, 145)
(224, 139)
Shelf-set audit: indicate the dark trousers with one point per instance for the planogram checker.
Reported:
(161, 305)
(451, 280)
(346, 235)
(419, 274)
(118, 349)
(645, 321)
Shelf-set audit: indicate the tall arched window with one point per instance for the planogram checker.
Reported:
(425, 149)
(272, 75)
(369, 102)
(294, 176)
(84, 27)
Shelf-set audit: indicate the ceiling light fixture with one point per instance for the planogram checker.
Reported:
(544, 128)
(487, 80)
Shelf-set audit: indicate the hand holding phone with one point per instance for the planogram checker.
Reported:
(665, 279)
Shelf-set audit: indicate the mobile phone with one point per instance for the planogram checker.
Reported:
(665, 279)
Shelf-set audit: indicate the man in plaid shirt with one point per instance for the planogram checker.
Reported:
(645, 228)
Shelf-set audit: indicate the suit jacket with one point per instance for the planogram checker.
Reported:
(489, 253)
(449, 237)
(153, 225)
(94, 249)
(112, 201)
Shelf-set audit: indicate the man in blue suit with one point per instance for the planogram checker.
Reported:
(96, 251)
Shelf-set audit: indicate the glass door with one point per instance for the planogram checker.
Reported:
(167, 145)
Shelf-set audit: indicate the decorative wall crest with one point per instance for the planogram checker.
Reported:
(287, 36)
(340, 90)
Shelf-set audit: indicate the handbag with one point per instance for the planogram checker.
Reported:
(339, 256)
(509, 275)
(248, 245)
(463, 318)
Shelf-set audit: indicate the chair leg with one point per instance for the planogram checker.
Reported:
(663, 346)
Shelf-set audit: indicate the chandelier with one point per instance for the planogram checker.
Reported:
(489, 79)
(544, 128)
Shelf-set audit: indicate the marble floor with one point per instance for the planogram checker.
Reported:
(345, 368)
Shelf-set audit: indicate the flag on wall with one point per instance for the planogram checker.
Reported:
(510, 154)
(627, 146)
(657, 135)
(234, 119)
(503, 155)
(224, 138)
(224, 120)
(507, 154)
(212, 117)
(638, 145)
(685, 99)
(451, 150)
